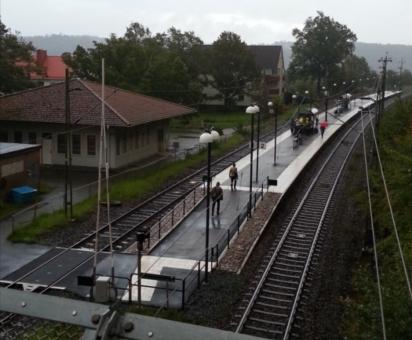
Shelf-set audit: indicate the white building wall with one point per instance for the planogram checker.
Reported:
(130, 150)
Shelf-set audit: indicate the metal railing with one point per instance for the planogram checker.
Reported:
(195, 276)
(176, 214)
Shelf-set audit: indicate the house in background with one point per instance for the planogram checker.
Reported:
(45, 69)
(269, 59)
(137, 125)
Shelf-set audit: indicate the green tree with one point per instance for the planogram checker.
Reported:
(320, 49)
(356, 68)
(13, 49)
(165, 65)
(406, 78)
(232, 67)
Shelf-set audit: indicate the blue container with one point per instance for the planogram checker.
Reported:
(22, 194)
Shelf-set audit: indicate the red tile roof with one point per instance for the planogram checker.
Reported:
(123, 108)
(54, 68)
(49, 67)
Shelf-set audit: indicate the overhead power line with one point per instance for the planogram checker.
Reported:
(373, 232)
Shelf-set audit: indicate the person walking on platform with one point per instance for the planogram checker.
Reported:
(323, 127)
(233, 176)
(217, 196)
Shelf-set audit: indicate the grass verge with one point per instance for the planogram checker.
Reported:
(222, 120)
(362, 312)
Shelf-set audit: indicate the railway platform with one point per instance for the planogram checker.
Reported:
(176, 266)
(182, 252)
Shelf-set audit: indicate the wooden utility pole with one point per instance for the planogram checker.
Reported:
(382, 88)
(68, 187)
(400, 75)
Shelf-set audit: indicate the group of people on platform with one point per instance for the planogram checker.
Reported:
(217, 192)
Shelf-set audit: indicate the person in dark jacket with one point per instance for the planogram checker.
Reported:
(233, 176)
(217, 196)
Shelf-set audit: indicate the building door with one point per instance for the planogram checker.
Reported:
(47, 145)
(160, 141)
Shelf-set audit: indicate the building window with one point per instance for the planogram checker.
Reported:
(91, 145)
(117, 144)
(76, 145)
(130, 140)
(61, 143)
(32, 138)
(124, 143)
(18, 137)
(142, 136)
(4, 136)
(147, 136)
(136, 139)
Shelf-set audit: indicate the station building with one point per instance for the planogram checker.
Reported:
(137, 125)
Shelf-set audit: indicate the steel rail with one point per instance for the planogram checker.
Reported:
(314, 244)
(287, 231)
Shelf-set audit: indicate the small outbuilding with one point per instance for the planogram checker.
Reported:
(137, 125)
(19, 166)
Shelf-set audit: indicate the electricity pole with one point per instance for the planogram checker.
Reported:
(68, 196)
(381, 97)
(400, 75)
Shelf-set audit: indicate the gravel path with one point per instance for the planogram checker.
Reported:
(238, 252)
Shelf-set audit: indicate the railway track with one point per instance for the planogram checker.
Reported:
(150, 211)
(269, 309)
(140, 217)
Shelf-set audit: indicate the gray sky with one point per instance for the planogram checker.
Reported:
(259, 21)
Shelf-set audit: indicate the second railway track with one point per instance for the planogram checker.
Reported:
(269, 309)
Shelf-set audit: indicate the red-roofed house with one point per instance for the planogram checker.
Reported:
(137, 124)
(48, 69)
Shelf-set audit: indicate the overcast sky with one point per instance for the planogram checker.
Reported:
(258, 21)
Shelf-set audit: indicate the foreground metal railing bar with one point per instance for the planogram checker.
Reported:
(101, 321)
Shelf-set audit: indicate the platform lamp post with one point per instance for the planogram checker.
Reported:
(306, 96)
(294, 97)
(258, 142)
(334, 88)
(208, 138)
(274, 112)
(325, 92)
(251, 110)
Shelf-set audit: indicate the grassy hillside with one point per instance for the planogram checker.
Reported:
(362, 316)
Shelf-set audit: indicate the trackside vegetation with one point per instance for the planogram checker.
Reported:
(362, 313)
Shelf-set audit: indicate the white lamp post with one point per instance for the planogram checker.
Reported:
(258, 142)
(251, 110)
(272, 111)
(208, 138)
